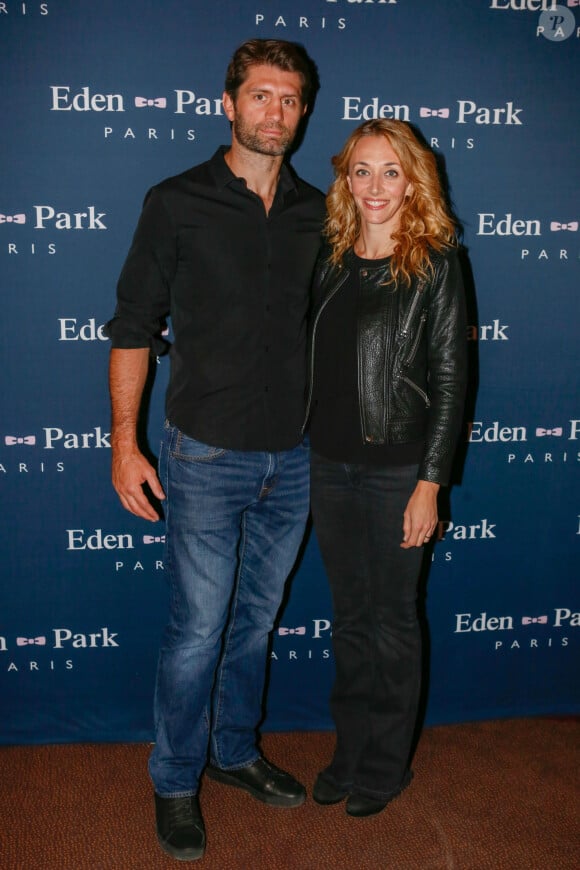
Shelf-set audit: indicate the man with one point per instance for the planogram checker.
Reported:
(226, 249)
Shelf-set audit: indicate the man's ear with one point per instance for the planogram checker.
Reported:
(229, 107)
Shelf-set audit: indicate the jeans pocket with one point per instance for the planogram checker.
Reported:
(189, 450)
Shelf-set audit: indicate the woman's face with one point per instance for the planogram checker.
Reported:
(377, 182)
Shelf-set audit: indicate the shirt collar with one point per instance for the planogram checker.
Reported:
(223, 174)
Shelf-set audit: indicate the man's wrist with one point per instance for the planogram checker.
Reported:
(124, 447)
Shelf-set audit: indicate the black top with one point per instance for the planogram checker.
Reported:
(335, 429)
(235, 282)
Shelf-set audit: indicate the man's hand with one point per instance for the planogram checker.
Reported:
(127, 373)
(130, 472)
(420, 517)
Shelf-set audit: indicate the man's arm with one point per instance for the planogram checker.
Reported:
(128, 369)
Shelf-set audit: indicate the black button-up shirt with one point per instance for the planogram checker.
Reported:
(235, 282)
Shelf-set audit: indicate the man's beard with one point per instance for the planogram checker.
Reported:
(251, 139)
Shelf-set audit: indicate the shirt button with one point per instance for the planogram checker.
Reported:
(364, 273)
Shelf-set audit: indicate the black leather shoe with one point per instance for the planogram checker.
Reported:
(360, 805)
(264, 781)
(180, 828)
(325, 793)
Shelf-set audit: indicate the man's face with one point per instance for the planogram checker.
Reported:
(267, 110)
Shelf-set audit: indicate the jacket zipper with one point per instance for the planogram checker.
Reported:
(417, 339)
(417, 389)
(414, 304)
(337, 287)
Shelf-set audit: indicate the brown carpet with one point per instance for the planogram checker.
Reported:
(485, 795)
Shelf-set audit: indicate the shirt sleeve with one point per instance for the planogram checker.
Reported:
(143, 290)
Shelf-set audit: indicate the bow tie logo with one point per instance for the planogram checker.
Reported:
(152, 539)
(12, 218)
(533, 620)
(571, 227)
(158, 102)
(32, 641)
(300, 630)
(11, 440)
(433, 113)
(540, 433)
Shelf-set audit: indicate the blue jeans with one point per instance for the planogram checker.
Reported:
(235, 521)
(358, 519)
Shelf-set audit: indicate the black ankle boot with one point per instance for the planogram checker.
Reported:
(325, 793)
(360, 805)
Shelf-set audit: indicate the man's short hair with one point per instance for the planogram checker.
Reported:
(288, 56)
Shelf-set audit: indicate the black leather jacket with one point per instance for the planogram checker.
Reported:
(412, 356)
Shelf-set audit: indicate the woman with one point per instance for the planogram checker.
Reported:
(389, 372)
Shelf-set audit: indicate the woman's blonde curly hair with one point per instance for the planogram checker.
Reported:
(425, 222)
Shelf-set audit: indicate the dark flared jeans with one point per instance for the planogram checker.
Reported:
(358, 519)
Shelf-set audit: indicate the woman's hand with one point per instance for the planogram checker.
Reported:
(420, 517)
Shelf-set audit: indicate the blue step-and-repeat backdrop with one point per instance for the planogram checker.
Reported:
(100, 101)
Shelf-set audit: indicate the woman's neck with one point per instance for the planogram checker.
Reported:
(371, 246)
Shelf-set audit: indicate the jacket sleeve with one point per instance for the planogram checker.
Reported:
(446, 367)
